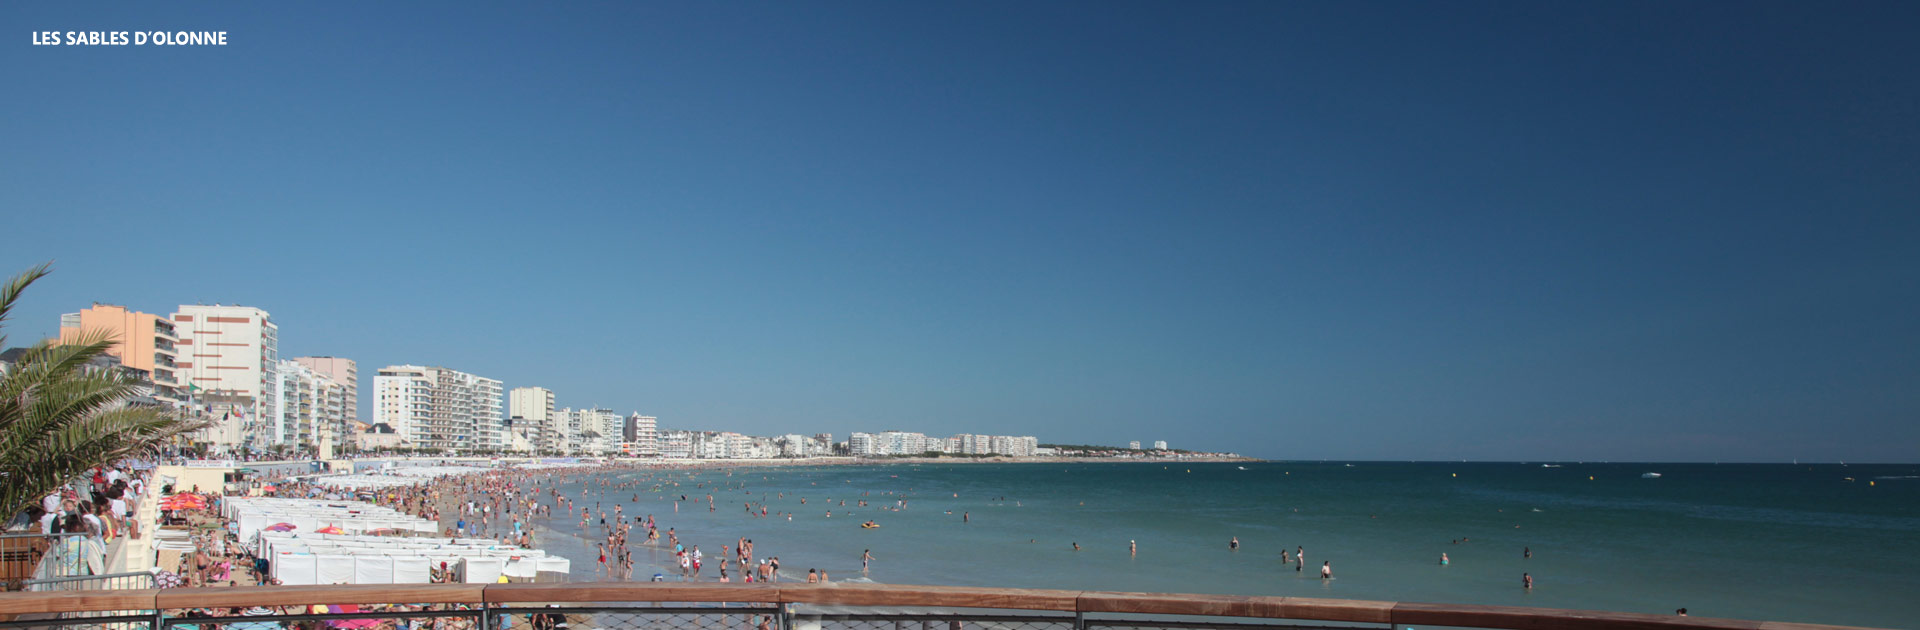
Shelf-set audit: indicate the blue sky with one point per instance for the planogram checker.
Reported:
(1379, 230)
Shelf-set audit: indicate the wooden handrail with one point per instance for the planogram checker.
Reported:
(889, 595)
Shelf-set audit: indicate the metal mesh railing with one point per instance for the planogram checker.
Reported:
(709, 607)
(23, 556)
(637, 618)
(136, 579)
(932, 621)
(115, 621)
(387, 617)
(1165, 624)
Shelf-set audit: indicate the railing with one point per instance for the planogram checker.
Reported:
(116, 581)
(662, 606)
(22, 555)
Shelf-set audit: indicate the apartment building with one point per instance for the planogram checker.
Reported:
(439, 408)
(309, 410)
(532, 414)
(142, 341)
(643, 432)
(676, 444)
(228, 356)
(343, 372)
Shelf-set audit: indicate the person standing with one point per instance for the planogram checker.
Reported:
(865, 557)
(1326, 570)
(1526, 581)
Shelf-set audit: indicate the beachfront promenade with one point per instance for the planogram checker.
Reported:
(651, 606)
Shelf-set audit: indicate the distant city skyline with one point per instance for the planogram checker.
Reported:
(1632, 231)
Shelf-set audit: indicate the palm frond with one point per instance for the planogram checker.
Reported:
(58, 419)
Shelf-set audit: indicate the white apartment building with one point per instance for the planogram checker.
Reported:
(343, 372)
(229, 353)
(1135, 445)
(600, 431)
(859, 444)
(645, 437)
(533, 408)
(567, 432)
(899, 443)
(1013, 445)
(307, 408)
(490, 413)
(438, 408)
(676, 444)
(793, 445)
(1159, 445)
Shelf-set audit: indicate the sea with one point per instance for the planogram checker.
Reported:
(1823, 543)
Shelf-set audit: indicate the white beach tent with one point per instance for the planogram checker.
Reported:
(481, 570)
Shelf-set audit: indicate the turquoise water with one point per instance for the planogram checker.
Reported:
(1775, 542)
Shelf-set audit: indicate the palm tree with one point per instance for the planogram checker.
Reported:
(58, 419)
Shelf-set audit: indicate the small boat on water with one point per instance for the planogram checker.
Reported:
(1549, 465)
(1649, 475)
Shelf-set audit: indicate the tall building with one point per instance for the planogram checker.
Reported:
(343, 372)
(228, 356)
(533, 408)
(567, 432)
(1159, 445)
(1135, 445)
(643, 432)
(600, 431)
(859, 444)
(142, 341)
(438, 408)
(309, 411)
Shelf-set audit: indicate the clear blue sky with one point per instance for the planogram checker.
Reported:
(1601, 230)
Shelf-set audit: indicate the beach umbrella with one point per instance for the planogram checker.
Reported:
(349, 623)
(280, 527)
(330, 529)
(379, 531)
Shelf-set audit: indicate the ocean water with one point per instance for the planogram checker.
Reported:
(1774, 542)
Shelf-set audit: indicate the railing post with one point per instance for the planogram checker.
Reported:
(786, 617)
(486, 617)
(1079, 620)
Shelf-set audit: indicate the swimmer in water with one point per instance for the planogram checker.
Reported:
(1326, 570)
(1233, 545)
(1132, 548)
(1443, 559)
(1076, 546)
